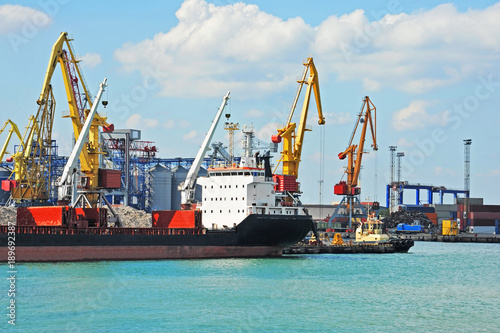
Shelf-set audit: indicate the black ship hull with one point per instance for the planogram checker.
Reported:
(256, 236)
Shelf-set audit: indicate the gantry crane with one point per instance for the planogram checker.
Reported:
(293, 140)
(32, 164)
(354, 154)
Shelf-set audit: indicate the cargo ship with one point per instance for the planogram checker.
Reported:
(241, 215)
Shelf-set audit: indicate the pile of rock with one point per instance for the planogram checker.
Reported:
(7, 214)
(133, 218)
(407, 218)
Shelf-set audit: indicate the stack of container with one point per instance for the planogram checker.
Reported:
(481, 217)
(444, 212)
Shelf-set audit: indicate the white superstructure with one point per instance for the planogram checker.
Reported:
(231, 193)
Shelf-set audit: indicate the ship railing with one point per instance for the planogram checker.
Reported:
(50, 230)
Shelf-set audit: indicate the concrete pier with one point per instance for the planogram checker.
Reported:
(461, 238)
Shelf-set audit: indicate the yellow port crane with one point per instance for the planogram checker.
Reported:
(354, 154)
(13, 129)
(32, 158)
(293, 140)
(32, 164)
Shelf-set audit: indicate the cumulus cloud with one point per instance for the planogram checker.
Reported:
(216, 48)
(91, 60)
(15, 18)
(415, 116)
(254, 113)
(268, 130)
(238, 46)
(136, 121)
(415, 52)
(169, 123)
(340, 118)
(405, 143)
(440, 171)
(189, 136)
(495, 172)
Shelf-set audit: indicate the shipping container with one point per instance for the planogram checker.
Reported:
(483, 222)
(421, 209)
(483, 229)
(485, 208)
(472, 201)
(450, 228)
(407, 228)
(485, 215)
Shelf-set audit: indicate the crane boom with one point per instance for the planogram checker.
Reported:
(293, 142)
(70, 169)
(187, 187)
(13, 129)
(354, 164)
(73, 79)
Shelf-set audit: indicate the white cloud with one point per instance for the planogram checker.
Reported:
(415, 52)
(169, 123)
(405, 143)
(340, 118)
(254, 113)
(91, 60)
(216, 48)
(415, 116)
(370, 84)
(190, 135)
(136, 121)
(440, 171)
(242, 48)
(268, 130)
(495, 171)
(15, 19)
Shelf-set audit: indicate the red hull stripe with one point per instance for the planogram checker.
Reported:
(93, 253)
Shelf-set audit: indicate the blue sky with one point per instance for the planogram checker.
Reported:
(431, 68)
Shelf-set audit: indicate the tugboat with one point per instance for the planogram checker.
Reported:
(371, 231)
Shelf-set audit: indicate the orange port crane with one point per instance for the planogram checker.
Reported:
(354, 154)
(292, 139)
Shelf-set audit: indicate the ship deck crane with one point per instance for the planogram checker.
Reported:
(293, 135)
(354, 154)
(68, 182)
(188, 186)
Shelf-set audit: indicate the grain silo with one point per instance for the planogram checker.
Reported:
(179, 174)
(159, 179)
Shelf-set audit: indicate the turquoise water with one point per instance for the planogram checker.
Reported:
(437, 287)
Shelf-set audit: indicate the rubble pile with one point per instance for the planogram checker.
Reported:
(133, 218)
(7, 214)
(407, 218)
